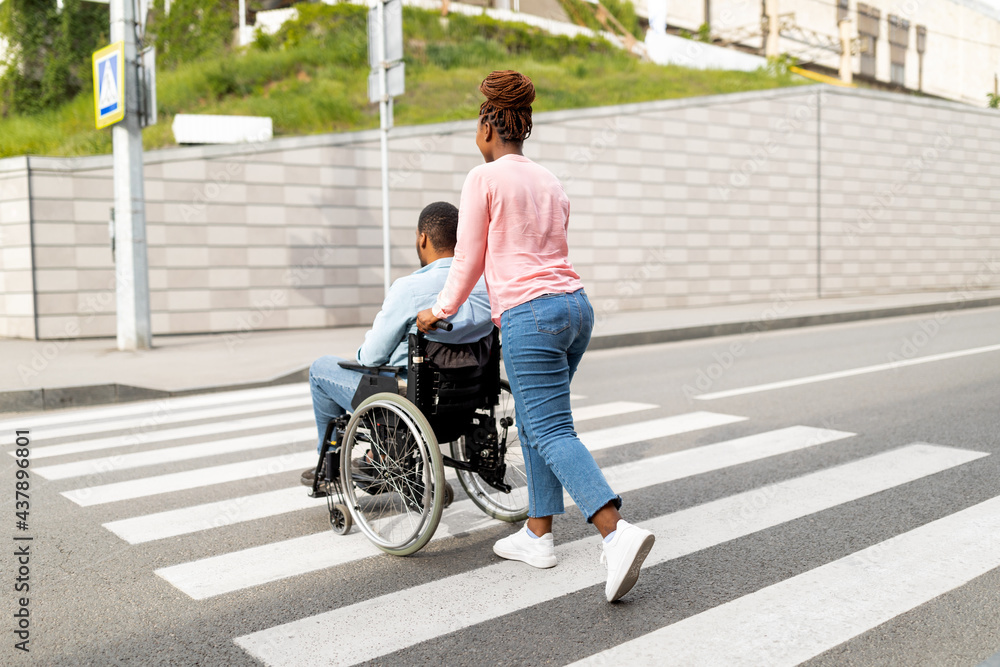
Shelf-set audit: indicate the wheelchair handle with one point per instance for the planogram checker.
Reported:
(444, 326)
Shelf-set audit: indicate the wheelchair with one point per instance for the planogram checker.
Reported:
(382, 466)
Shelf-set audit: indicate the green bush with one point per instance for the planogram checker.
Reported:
(624, 11)
(48, 57)
(582, 13)
(194, 29)
(476, 53)
(311, 77)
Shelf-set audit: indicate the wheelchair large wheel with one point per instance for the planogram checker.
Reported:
(511, 506)
(392, 474)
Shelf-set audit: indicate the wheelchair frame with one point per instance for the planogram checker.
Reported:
(402, 435)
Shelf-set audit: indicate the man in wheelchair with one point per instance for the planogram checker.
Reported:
(334, 387)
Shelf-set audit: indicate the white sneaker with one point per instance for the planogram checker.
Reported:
(537, 552)
(624, 555)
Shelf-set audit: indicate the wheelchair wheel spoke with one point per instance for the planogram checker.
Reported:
(503, 505)
(390, 446)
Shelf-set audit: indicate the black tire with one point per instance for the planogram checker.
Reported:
(513, 506)
(340, 519)
(397, 500)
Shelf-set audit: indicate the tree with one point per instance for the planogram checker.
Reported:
(993, 100)
(48, 52)
(194, 29)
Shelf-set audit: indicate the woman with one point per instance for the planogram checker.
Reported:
(513, 220)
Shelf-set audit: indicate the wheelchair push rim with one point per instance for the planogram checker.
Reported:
(395, 489)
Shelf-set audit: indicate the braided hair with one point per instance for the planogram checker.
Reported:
(509, 95)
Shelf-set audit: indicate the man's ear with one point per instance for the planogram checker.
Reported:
(422, 239)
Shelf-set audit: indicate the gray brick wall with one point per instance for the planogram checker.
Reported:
(723, 199)
(906, 198)
(17, 306)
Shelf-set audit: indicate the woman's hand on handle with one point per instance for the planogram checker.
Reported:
(426, 320)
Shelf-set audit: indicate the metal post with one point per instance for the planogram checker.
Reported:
(846, 65)
(131, 266)
(243, 22)
(384, 110)
(772, 46)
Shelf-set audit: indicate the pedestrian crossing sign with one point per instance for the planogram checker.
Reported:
(109, 84)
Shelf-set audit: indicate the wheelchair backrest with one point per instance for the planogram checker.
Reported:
(448, 380)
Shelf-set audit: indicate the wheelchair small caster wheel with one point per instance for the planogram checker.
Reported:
(340, 519)
(449, 494)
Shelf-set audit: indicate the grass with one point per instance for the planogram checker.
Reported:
(312, 78)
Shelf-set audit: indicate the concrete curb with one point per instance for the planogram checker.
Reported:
(33, 400)
(65, 397)
(758, 325)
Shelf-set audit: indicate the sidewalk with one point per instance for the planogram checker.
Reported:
(43, 375)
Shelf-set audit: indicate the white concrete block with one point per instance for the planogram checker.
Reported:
(211, 129)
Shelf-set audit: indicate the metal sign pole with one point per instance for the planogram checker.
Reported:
(384, 122)
(131, 266)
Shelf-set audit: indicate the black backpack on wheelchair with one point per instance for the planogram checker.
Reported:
(382, 466)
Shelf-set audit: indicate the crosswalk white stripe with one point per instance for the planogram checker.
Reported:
(801, 617)
(624, 434)
(202, 450)
(154, 437)
(198, 450)
(602, 438)
(847, 373)
(238, 570)
(512, 586)
(250, 567)
(609, 410)
(138, 427)
(698, 460)
(192, 479)
(212, 515)
(151, 408)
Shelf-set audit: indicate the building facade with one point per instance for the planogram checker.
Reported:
(946, 48)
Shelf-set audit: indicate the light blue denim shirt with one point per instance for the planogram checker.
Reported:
(385, 342)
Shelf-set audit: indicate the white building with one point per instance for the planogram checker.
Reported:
(948, 48)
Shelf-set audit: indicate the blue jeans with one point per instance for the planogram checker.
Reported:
(543, 342)
(332, 389)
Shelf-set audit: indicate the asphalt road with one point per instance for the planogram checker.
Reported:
(844, 520)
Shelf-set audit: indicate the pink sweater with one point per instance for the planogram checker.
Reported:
(512, 223)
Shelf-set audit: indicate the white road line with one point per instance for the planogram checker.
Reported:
(238, 570)
(609, 410)
(202, 477)
(202, 450)
(258, 565)
(799, 618)
(303, 436)
(154, 407)
(697, 460)
(168, 435)
(192, 479)
(507, 587)
(147, 426)
(655, 428)
(142, 437)
(193, 519)
(848, 373)
(212, 515)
